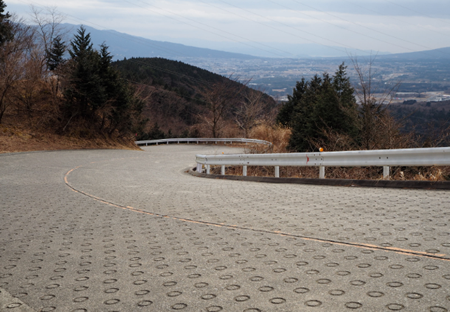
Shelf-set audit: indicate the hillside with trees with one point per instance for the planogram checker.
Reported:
(183, 100)
(66, 91)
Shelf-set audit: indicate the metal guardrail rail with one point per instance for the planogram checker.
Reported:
(202, 140)
(384, 158)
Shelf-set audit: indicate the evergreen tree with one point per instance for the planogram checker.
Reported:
(286, 112)
(86, 92)
(336, 111)
(320, 106)
(96, 93)
(6, 33)
(304, 127)
(56, 53)
(81, 45)
(347, 102)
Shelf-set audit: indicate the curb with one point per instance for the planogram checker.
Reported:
(421, 185)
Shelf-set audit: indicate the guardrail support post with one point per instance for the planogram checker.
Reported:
(199, 168)
(277, 171)
(386, 172)
(244, 171)
(208, 169)
(322, 172)
(167, 142)
(222, 170)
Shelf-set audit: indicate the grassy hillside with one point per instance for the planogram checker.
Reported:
(175, 96)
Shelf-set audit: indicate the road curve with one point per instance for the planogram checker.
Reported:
(111, 230)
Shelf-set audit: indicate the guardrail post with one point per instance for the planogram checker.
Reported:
(277, 171)
(167, 142)
(386, 172)
(199, 168)
(208, 169)
(244, 171)
(222, 170)
(322, 172)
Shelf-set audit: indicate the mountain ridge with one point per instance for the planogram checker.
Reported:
(124, 45)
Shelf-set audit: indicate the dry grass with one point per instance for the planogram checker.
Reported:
(16, 137)
(278, 135)
(356, 173)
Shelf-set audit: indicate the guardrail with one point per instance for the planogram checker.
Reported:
(384, 158)
(202, 140)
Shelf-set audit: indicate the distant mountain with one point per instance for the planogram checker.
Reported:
(436, 54)
(122, 46)
(285, 50)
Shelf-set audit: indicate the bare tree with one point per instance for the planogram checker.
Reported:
(48, 26)
(378, 130)
(31, 83)
(219, 99)
(48, 30)
(250, 110)
(14, 55)
(23, 63)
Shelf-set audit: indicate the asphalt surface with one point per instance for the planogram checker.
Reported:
(115, 230)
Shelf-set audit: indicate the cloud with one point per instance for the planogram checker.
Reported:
(381, 25)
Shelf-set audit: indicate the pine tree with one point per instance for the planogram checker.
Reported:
(304, 127)
(285, 115)
(96, 93)
(81, 45)
(6, 33)
(86, 92)
(319, 107)
(347, 103)
(336, 110)
(56, 53)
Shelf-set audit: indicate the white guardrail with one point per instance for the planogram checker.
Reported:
(385, 158)
(202, 140)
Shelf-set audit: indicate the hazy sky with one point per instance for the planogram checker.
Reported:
(378, 25)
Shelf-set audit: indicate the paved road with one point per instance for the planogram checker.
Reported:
(130, 231)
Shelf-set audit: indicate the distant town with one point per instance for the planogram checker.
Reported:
(422, 80)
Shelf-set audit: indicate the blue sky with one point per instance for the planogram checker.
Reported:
(377, 25)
